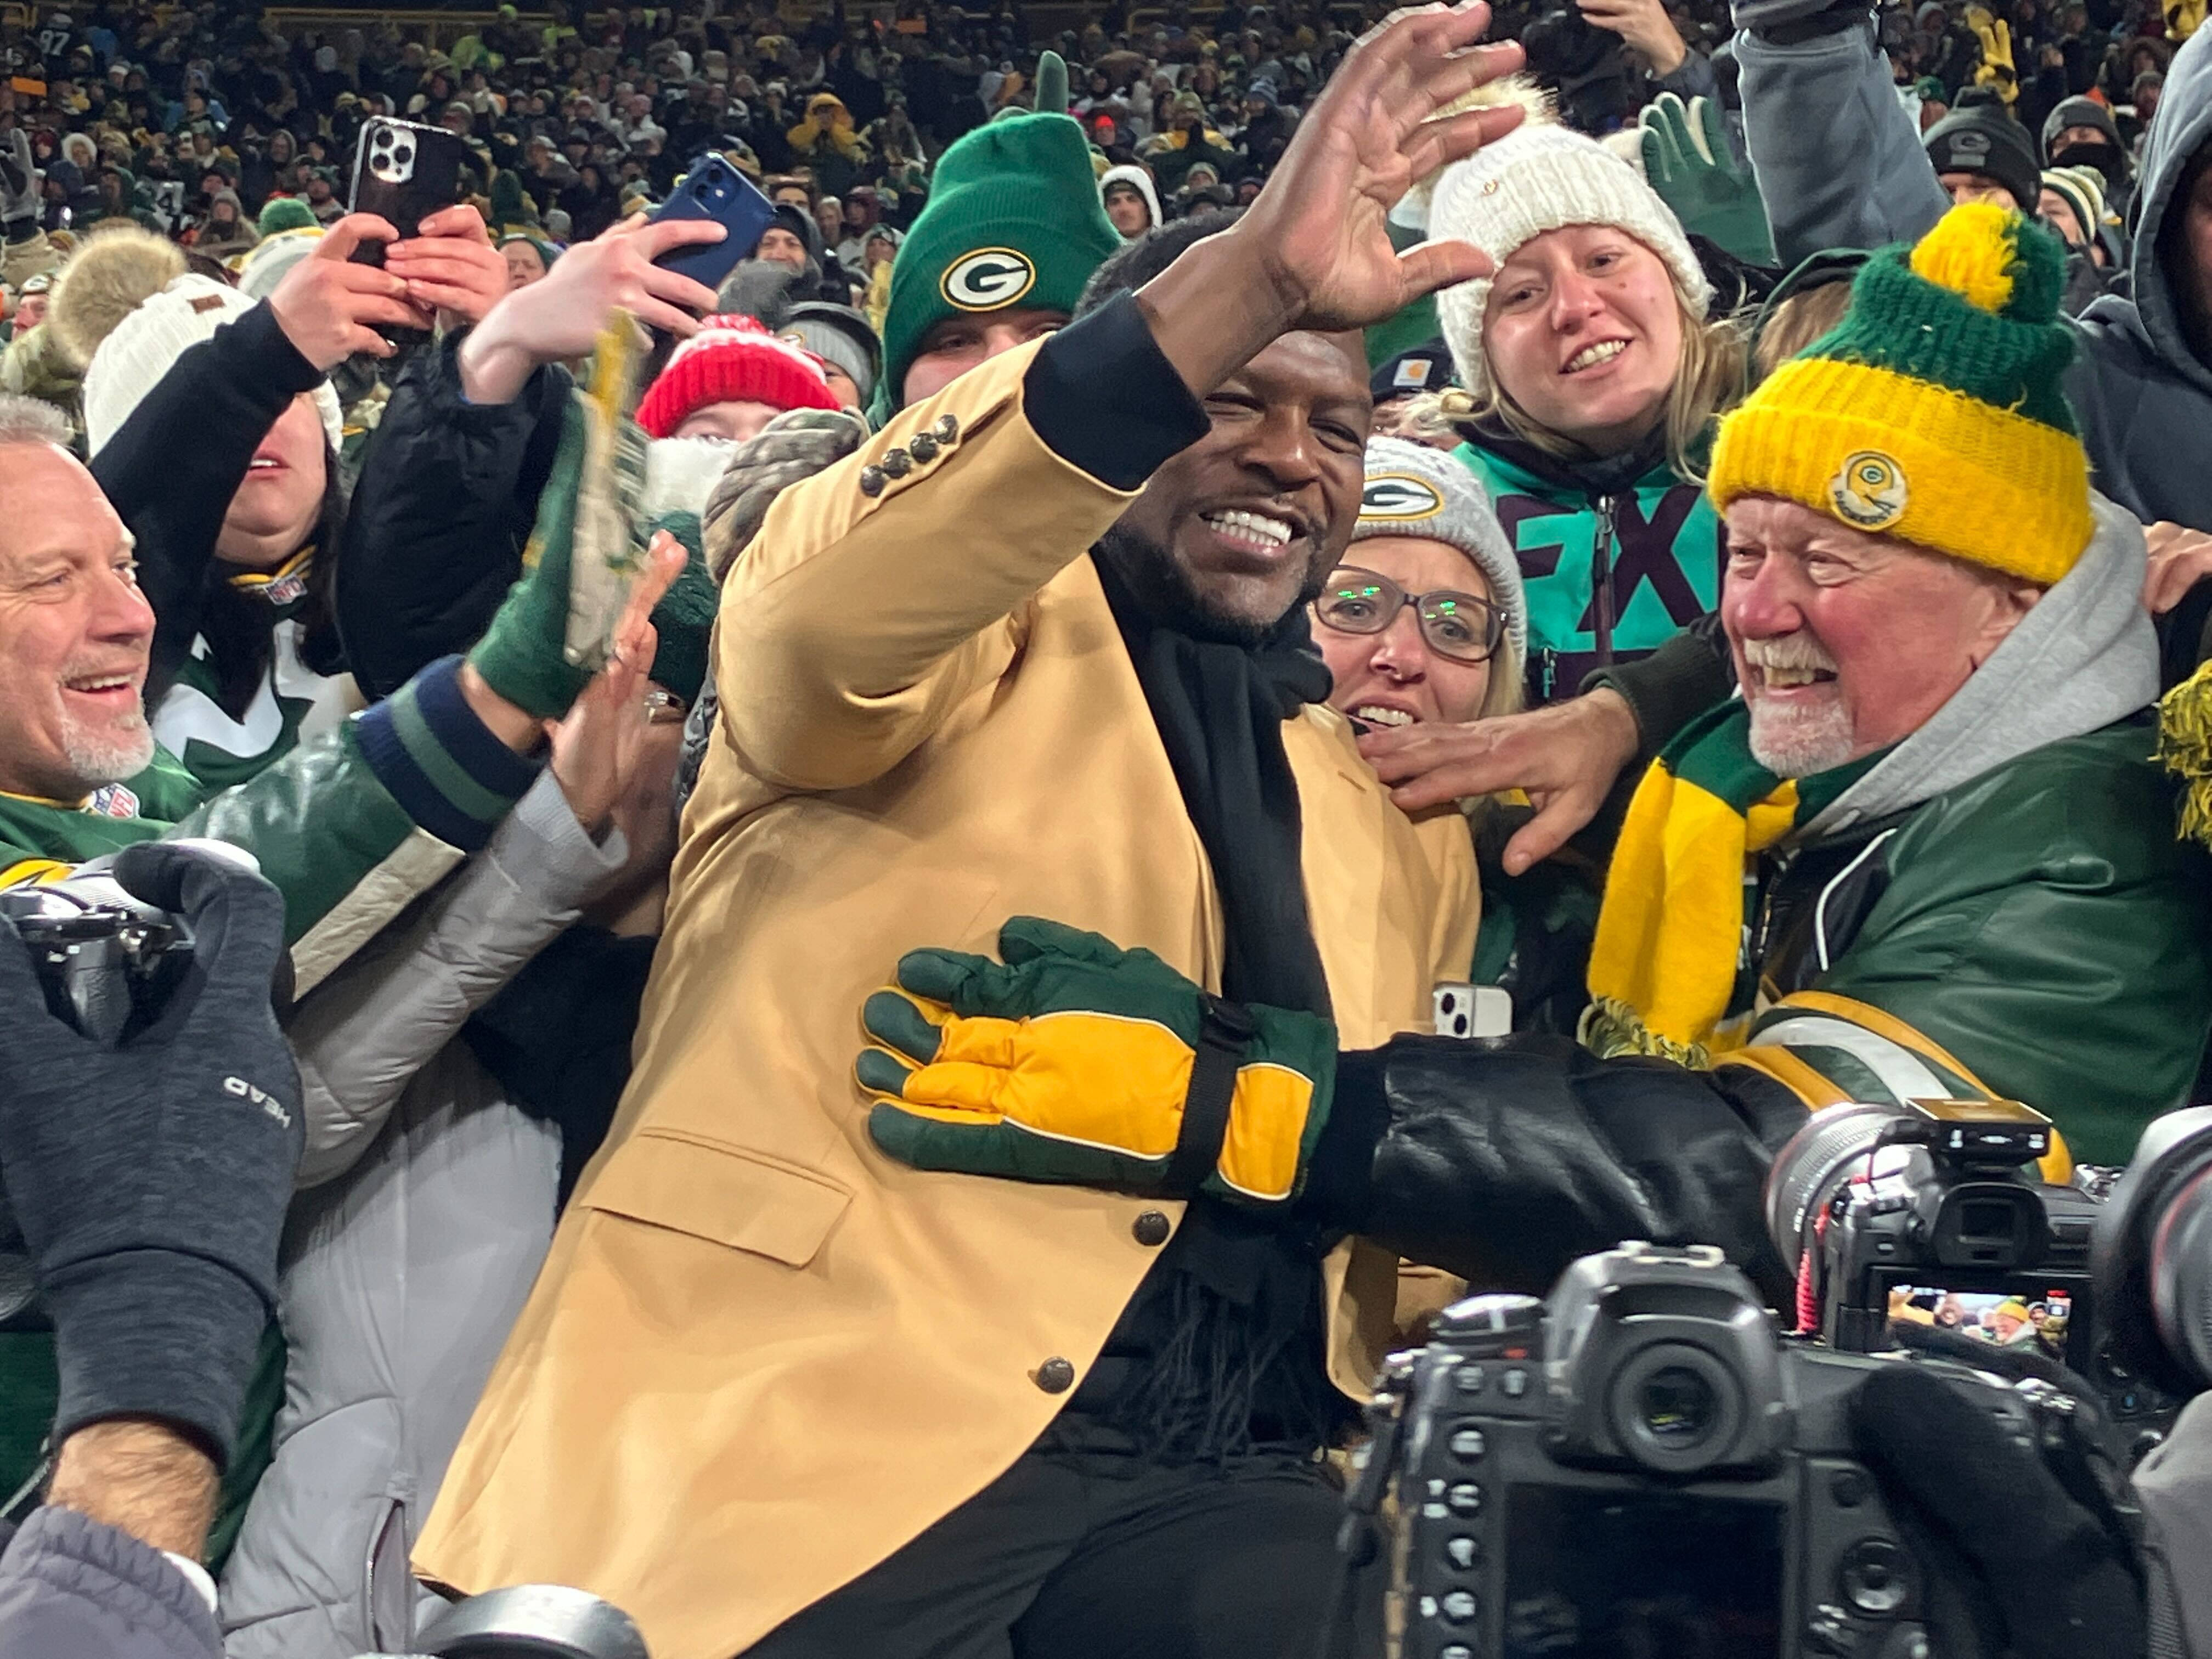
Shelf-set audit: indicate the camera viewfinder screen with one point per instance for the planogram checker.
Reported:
(2035, 1320)
(1612, 1575)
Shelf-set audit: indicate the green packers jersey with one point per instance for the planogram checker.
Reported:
(41, 838)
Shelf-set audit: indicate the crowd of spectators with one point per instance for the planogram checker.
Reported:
(1358, 524)
(200, 121)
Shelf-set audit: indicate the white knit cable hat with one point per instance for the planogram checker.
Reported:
(1542, 177)
(1413, 490)
(146, 344)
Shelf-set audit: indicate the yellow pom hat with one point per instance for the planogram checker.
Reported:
(1934, 412)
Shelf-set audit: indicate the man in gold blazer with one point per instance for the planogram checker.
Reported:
(1037, 649)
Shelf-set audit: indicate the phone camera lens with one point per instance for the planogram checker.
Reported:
(404, 156)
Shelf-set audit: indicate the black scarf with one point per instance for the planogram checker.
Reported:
(1220, 709)
(1220, 1353)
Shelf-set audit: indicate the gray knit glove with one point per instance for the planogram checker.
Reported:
(795, 446)
(19, 179)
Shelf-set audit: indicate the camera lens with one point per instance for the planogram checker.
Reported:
(1676, 1407)
(1805, 1173)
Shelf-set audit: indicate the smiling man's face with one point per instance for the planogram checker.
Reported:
(74, 632)
(1245, 524)
(1845, 642)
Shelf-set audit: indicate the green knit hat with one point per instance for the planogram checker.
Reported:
(1936, 411)
(1014, 219)
(683, 621)
(284, 213)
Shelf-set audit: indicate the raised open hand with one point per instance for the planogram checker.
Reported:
(1319, 226)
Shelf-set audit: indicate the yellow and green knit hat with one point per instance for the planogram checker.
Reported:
(1933, 412)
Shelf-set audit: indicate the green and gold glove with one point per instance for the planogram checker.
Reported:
(555, 627)
(1077, 1062)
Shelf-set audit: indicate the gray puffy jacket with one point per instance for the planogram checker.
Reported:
(428, 1206)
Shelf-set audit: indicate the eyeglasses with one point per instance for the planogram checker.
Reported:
(1460, 626)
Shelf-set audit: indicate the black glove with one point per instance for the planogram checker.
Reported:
(1789, 23)
(2026, 1553)
(150, 1180)
(1503, 1159)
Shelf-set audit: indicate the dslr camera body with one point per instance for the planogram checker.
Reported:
(1933, 1214)
(1642, 1463)
(107, 961)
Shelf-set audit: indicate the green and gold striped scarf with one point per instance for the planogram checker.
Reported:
(1664, 965)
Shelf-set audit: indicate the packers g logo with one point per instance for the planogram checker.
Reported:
(988, 279)
(1399, 498)
(1869, 491)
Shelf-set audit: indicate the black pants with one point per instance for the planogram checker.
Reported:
(1057, 1560)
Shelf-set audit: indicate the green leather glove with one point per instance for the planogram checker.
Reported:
(1077, 1062)
(1688, 162)
(555, 627)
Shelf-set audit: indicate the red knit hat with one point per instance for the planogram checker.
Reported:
(728, 359)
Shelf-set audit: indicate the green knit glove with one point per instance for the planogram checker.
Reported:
(1079, 1063)
(555, 627)
(1687, 160)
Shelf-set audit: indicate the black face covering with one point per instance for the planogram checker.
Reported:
(1220, 1352)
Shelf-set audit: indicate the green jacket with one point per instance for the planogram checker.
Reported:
(352, 827)
(2037, 933)
(1616, 557)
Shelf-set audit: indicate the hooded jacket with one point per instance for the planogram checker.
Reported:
(1617, 556)
(1138, 180)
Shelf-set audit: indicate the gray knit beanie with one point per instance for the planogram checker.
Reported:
(1414, 490)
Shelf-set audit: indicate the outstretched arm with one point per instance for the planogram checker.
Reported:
(1837, 160)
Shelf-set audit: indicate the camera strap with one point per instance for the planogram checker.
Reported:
(1224, 1033)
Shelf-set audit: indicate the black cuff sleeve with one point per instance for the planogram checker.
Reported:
(259, 346)
(1341, 1171)
(1105, 399)
(1673, 686)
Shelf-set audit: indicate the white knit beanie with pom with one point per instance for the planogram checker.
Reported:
(146, 344)
(1542, 177)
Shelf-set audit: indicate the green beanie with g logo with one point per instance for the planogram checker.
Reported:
(1014, 220)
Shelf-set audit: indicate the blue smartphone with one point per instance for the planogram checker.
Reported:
(714, 189)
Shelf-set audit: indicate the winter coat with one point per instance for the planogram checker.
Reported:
(427, 1203)
(447, 494)
(1617, 557)
(75, 1588)
(1841, 165)
(734, 1249)
(170, 470)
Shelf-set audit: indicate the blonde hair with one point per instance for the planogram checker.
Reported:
(1710, 379)
(1795, 322)
(1505, 694)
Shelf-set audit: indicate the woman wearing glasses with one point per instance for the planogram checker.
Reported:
(1424, 622)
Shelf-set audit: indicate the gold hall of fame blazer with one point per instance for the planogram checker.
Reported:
(762, 1356)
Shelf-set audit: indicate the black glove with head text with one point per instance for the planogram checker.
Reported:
(150, 1180)
(2027, 1550)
